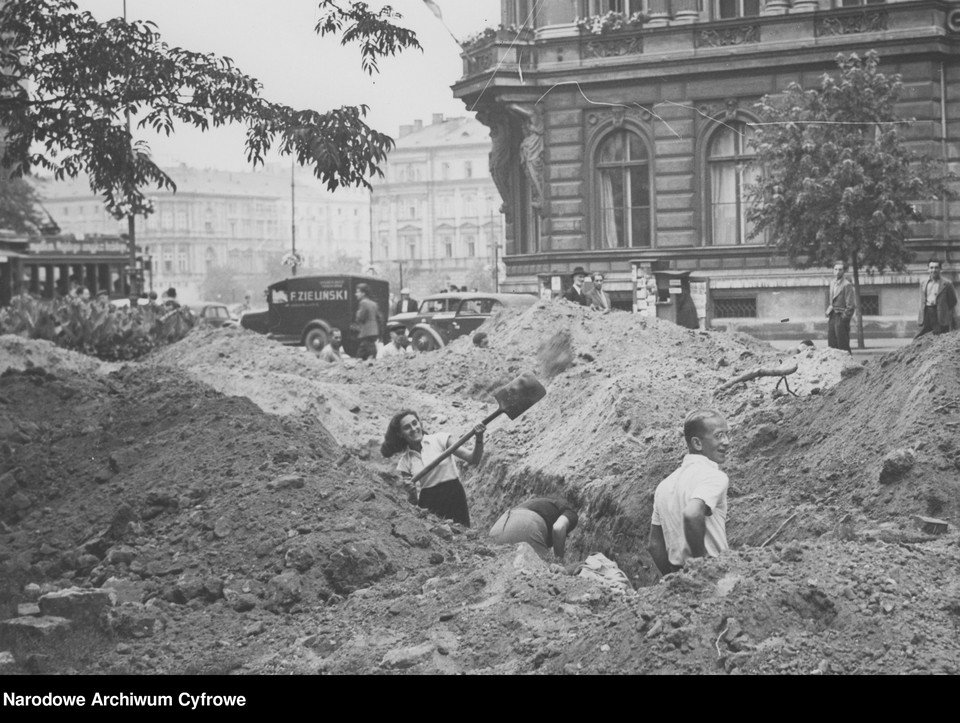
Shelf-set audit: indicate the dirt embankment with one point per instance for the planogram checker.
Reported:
(231, 489)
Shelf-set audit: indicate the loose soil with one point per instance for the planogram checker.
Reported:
(230, 491)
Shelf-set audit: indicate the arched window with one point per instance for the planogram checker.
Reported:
(622, 181)
(728, 157)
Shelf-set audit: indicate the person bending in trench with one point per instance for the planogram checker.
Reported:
(441, 491)
(542, 522)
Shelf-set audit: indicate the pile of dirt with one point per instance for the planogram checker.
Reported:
(230, 492)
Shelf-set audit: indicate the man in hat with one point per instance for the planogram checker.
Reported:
(575, 292)
(406, 304)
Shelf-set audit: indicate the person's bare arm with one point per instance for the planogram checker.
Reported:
(695, 526)
(560, 528)
(473, 456)
(657, 546)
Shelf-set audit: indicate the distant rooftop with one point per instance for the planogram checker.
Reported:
(443, 132)
(272, 181)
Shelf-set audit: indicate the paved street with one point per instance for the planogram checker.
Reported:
(874, 347)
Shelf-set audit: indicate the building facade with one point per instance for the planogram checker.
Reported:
(240, 221)
(436, 212)
(624, 149)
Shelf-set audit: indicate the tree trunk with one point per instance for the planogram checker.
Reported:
(856, 290)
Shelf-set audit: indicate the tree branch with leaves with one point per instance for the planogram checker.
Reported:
(70, 82)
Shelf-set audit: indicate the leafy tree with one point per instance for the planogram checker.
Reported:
(70, 83)
(480, 276)
(18, 206)
(344, 264)
(837, 180)
(221, 284)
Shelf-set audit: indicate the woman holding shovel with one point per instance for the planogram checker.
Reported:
(441, 491)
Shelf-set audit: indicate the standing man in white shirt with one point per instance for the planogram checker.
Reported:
(690, 506)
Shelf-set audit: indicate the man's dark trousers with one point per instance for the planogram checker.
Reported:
(838, 331)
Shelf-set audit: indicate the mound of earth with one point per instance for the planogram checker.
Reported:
(230, 494)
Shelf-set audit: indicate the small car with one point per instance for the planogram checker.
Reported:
(213, 313)
(433, 304)
(437, 329)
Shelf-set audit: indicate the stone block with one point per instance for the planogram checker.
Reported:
(81, 606)
(402, 658)
(34, 627)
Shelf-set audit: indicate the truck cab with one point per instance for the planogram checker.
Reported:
(305, 309)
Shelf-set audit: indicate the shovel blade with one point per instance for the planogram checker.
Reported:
(519, 395)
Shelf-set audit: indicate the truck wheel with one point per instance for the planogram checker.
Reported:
(315, 340)
(422, 341)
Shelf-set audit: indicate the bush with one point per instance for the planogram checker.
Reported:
(96, 327)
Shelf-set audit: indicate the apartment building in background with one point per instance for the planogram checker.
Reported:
(235, 220)
(436, 213)
(623, 149)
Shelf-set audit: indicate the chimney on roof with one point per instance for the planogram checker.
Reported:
(417, 125)
(437, 118)
(405, 130)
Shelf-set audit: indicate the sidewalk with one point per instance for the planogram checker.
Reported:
(874, 347)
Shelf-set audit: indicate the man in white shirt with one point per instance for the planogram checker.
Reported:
(399, 344)
(690, 506)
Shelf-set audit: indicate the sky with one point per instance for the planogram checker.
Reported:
(275, 41)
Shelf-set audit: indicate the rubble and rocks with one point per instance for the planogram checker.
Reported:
(227, 494)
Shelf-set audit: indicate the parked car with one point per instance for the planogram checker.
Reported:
(433, 304)
(305, 309)
(437, 329)
(213, 313)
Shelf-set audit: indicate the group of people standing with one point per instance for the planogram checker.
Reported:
(689, 511)
(595, 298)
(938, 300)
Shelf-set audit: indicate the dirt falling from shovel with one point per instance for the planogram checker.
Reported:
(555, 354)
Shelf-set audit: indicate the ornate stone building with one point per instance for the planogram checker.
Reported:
(436, 211)
(623, 150)
(236, 220)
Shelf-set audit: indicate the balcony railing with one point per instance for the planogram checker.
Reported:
(501, 49)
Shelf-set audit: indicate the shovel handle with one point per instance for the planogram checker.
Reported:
(452, 448)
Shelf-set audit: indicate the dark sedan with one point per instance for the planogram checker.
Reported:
(434, 330)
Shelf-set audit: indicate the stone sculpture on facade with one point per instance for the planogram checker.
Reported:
(531, 150)
(501, 155)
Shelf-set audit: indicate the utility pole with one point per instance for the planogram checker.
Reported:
(495, 237)
(293, 218)
(134, 290)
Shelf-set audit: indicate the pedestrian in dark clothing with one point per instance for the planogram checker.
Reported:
(367, 323)
(575, 293)
(938, 299)
(843, 305)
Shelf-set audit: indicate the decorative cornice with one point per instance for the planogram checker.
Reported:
(868, 22)
(613, 47)
(727, 36)
(617, 116)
